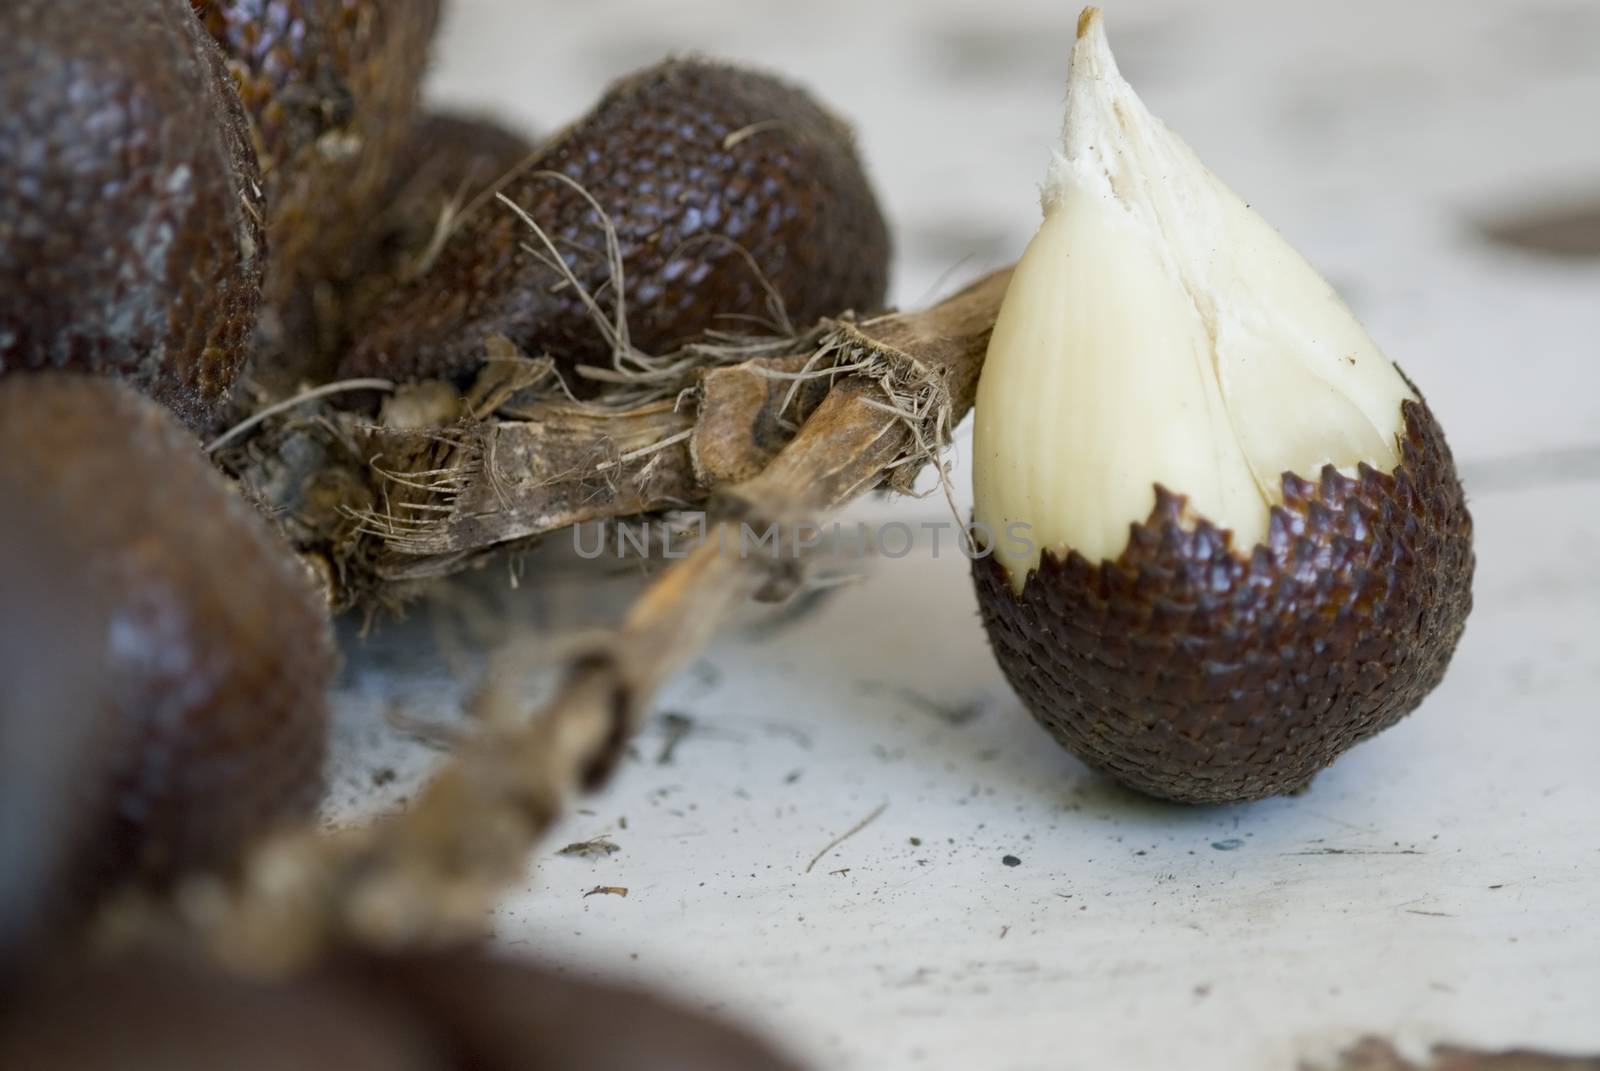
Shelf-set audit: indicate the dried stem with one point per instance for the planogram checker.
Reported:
(324, 391)
(432, 873)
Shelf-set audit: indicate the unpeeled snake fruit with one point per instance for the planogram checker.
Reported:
(130, 201)
(54, 770)
(331, 89)
(719, 182)
(1228, 539)
(192, 716)
(449, 165)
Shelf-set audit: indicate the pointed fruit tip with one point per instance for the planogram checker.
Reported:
(1087, 21)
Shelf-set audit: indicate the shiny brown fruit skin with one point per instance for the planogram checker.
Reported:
(214, 655)
(436, 1012)
(1191, 674)
(449, 157)
(684, 152)
(130, 206)
(501, 1015)
(55, 770)
(148, 1014)
(446, 163)
(331, 88)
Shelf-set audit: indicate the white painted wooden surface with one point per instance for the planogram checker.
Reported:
(1440, 883)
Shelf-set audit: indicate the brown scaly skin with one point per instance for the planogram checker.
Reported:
(448, 1011)
(130, 207)
(685, 152)
(331, 90)
(446, 164)
(215, 655)
(1192, 674)
(452, 158)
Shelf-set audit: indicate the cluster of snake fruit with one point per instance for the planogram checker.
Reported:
(207, 203)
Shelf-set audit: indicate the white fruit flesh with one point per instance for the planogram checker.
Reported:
(1159, 331)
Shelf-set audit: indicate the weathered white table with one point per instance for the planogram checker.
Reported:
(1440, 883)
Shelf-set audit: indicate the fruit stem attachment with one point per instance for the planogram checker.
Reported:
(429, 875)
(257, 419)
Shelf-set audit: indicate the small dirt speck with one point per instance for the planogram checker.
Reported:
(1231, 844)
(1010, 860)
